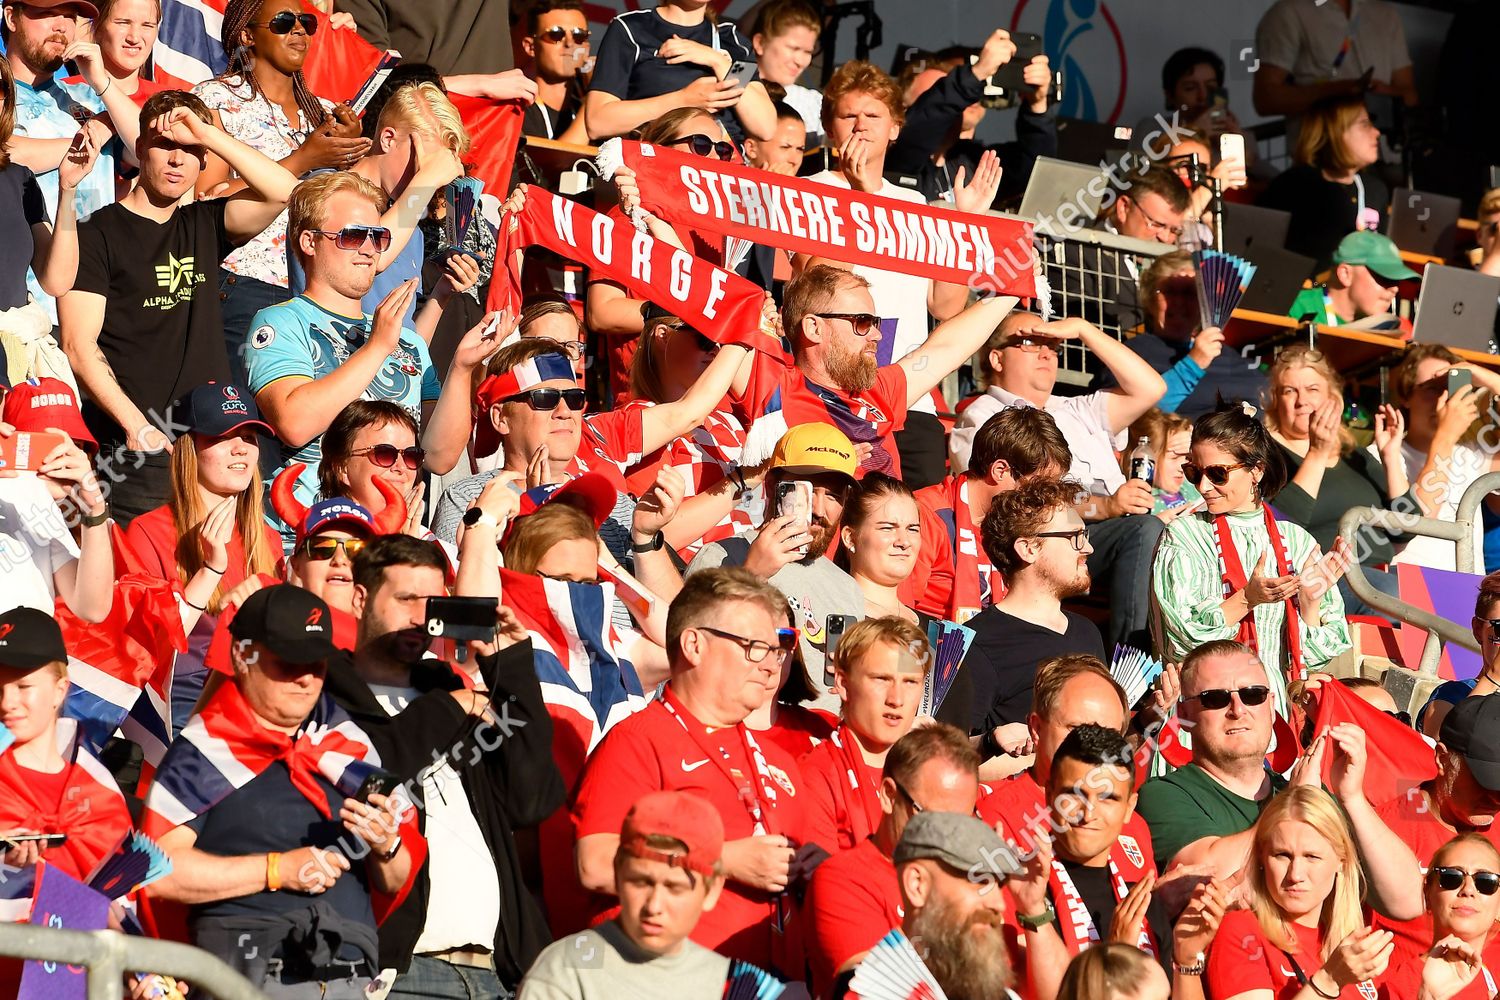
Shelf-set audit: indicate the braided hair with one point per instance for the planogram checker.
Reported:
(237, 17)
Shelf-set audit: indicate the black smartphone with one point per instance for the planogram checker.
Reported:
(1458, 378)
(47, 840)
(463, 619)
(834, 627)
(1009, 77)
(376, 783)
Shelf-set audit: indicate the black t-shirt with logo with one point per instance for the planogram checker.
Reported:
(163, 330)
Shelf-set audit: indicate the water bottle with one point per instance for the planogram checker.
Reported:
(1143, 462)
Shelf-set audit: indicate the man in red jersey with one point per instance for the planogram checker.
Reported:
(722, 640)
(879, 668)
(953, 578)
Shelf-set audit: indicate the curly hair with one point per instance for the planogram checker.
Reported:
(1021, 513)
(858, 76)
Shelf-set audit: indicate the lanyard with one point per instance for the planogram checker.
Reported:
(1074, 920)
(546, 118)
(1349, 37)
(1359, 211)
(744, 786)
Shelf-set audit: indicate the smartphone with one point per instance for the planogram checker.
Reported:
(1008, 83)
(1232, 147)
(24, 451)
(794, 499)
(742, 71)
(463, 619)
(376, 783)
(834, 627)
(1458, 378)
(47, 840)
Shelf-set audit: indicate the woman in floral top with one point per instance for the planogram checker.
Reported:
(263, 101)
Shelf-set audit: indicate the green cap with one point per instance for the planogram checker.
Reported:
(1374, 251)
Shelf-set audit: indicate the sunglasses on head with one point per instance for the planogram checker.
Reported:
(385, 455)
(701, 145)
(557, 33)
(1216, 699)
(354, 237)
(283, 22)
(1449, 879)
(322, 549)
(1217, 474)
(547, 399)
(863, 323)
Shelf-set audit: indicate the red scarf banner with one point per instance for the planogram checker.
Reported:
(804, 216)
(1235, 579)
(723, 306)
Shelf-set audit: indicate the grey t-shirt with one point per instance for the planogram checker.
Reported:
(603, 964)
(816, 589)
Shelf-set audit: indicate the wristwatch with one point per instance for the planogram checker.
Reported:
(476, 516)
(395, 847)
(1194, 969)
(1037, 921)
(657, 541)
(94, 520)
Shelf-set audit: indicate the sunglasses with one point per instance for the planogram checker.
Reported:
(1402, 717)
(1034, 345)
(701, 145)
(322, 549)
(547, 399)
(354, 237)
(1217, 474)
(1449, 879)
(385, 455)
(282, 23)
(557, 33)
(1217, 699)
(863, 323)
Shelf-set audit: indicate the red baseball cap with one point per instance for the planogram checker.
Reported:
(39, 403)
(681, 816)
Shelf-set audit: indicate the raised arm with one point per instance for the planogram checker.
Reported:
(1139, 385)
(666, 422)
(447, 430)
(270, 184)
(952, 344)
(54, 255)
(124, 114)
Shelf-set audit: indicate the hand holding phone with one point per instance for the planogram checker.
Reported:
(24, 451)
(1458, 378)
(794, 500)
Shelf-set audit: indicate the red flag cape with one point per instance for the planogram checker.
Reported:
(720, 304)
(494, 133)
(808, 217)
(1398, 759)
(339, 61)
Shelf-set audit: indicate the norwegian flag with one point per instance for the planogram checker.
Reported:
(587, 682)
(120, 669)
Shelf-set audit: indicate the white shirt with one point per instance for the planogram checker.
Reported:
(898, 296)
(463, 902)
(1306, 38)
(1083, 421)
(34, 544)
(1468, 464)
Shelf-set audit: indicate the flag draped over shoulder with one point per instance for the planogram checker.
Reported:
(587, 682)
(720, 304)
(808, 217)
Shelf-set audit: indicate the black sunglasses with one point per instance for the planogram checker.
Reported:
(1448, 879)
(322, 549)
(1216, 699)
(701, 145)
(557, 33)
(1402, 717)
(385, 455)
(863, 323)
(282, 23)
(547, 399)
(354, 237)
(1217, 474)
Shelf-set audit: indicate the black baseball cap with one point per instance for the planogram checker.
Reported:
(217, 409)
(1472, 728)
(291, 622)
(29, 639)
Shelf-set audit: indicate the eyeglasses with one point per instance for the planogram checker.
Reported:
(1217, 474)
(911, 803)
(1076, 536)
(1034, 345)
(862, 323)
(572, 348)
(1449, 879)
(1156, 227)
(547, 399)
(755, 650)
(557, 33)
(282, 23)
(701, 145)
(322, 549)
(385, 455)
(355, 237)
(1217, 699)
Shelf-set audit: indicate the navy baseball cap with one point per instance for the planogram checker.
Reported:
(336, 512)
(291, 622)
(217, 409)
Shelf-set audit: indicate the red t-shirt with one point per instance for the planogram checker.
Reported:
(1405, 983)
(852, 902)
(611, 443)
(869, 417)
(153, 536)
(652, 751)
(1241, 959)
(1412, 819)
(840, 801)
(798, 729)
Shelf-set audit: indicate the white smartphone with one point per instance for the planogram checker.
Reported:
(1232, 147)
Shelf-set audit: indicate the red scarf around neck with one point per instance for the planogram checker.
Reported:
(1235, 579)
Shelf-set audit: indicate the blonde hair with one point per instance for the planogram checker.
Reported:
(424, 109)
(188, 514)
(1168, 265)
(536, 534)
(1320, 143)
(645, 369)
(1489, 204)
(307, 207)
(1107, 971)
(898, 632)
(1341, 914)
(1303, 356)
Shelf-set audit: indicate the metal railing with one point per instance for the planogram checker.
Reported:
(109, 955)
(1408, 685)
